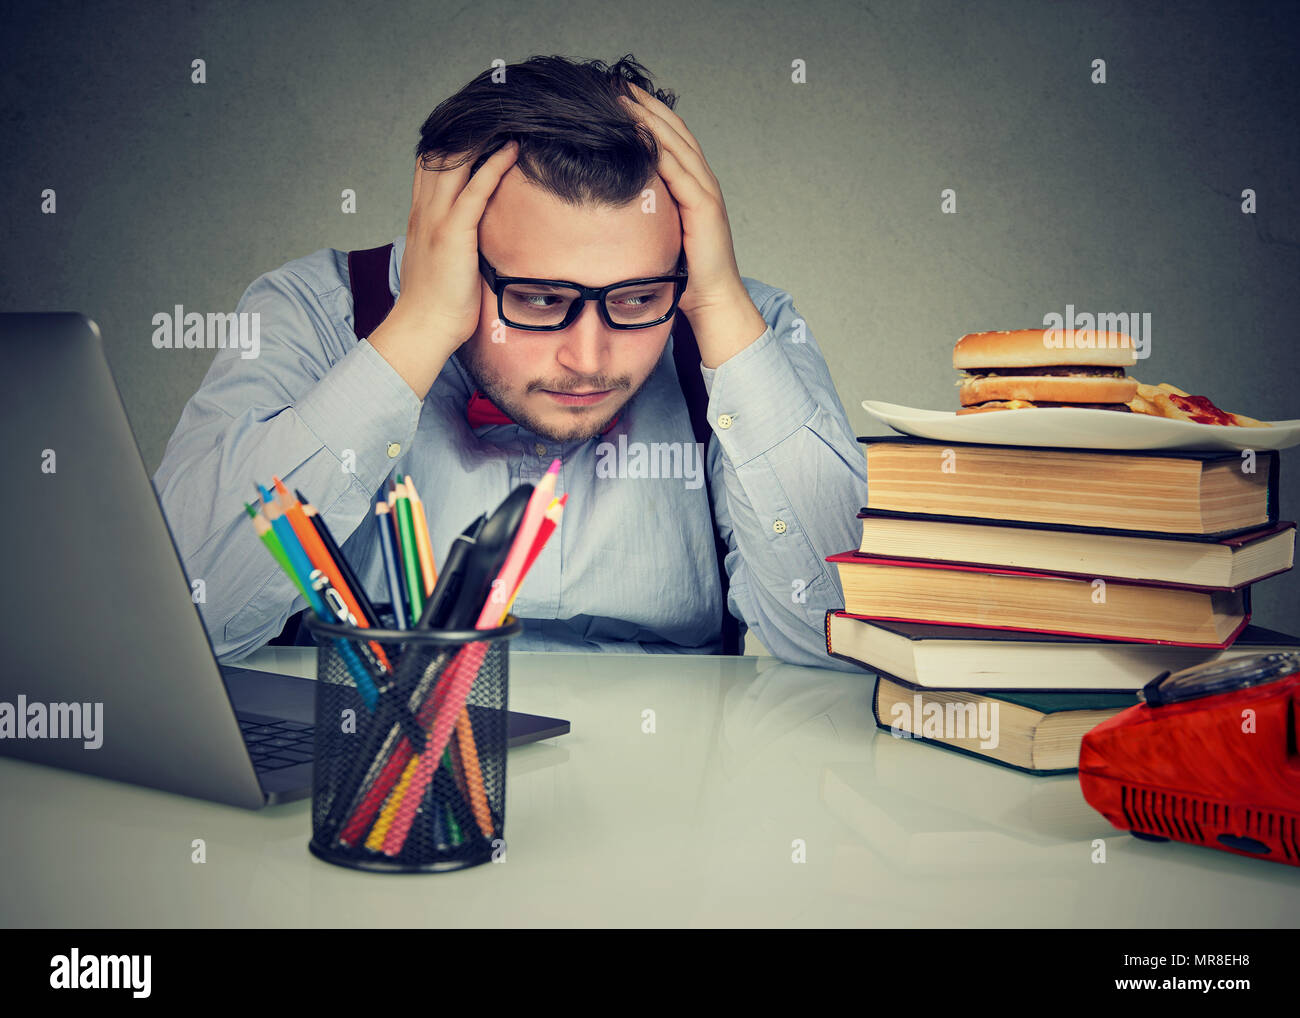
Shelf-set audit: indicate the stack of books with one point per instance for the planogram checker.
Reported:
(1066, 576)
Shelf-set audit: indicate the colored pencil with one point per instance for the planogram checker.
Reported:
(317, 519)
(339, 614)
(460, 674)
(511, 574)
(364, 793)
(463, 745)
(301, 565)
(293, 551)
(422, 542)
(410, 555)
(324, 561)
(262, 527)
(547, 528)
(388, 548)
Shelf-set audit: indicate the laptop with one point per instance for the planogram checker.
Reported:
(96, 609)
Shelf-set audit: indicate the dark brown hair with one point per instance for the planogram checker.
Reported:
(575, 140)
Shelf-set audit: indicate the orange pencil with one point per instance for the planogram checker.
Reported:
(423, 546)
(322, 560)
(464, 750)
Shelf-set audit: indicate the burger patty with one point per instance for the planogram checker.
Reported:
(1122, 407)
(1054, 371)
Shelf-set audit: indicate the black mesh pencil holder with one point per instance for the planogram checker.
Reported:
(410, 755)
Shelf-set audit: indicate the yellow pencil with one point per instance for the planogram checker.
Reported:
(375, 841)
(423, 546)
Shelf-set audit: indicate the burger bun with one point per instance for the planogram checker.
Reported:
(1051, 389)
(1028, 348)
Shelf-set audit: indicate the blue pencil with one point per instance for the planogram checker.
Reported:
(388, 548)
(294, 550)
(303, 567)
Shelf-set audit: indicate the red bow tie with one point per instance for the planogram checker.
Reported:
(482, 410)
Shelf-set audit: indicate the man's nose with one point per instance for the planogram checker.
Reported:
(585, 343)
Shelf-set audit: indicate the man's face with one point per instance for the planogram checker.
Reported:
(525, 231)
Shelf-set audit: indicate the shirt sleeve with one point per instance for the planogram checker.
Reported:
(315, 408)
(789, 478)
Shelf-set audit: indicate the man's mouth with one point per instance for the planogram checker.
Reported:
(578, 398)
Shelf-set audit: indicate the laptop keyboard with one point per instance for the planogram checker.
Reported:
(273, 743)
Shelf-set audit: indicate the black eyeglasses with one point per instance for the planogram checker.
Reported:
(548, 305)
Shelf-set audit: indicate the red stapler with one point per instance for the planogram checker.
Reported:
(1209, 758)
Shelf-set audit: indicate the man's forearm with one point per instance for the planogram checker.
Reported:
(794, 478)
(789, 510)
(413, 349)
(724, 331)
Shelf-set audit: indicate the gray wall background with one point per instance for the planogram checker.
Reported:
(1122, 196)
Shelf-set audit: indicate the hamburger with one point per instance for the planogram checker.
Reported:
(1023, 368)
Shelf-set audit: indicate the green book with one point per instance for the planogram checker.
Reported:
(1039, 732)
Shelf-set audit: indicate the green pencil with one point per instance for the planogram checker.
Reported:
(263, 527)
(410, 555)
(456, 838)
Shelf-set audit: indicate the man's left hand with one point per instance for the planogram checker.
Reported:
(715, 301)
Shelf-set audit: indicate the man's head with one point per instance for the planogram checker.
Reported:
(571, 208)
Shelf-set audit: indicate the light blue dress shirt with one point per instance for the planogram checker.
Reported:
(632, 567)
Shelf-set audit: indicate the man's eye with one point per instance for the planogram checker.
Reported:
(536, 300)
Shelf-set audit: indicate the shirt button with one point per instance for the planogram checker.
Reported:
(393, 450)
(725, 421)
(779, 526)
(539, 449)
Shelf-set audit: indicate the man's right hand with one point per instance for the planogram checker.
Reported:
(438, 307)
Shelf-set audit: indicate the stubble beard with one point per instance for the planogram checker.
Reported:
(586, 424)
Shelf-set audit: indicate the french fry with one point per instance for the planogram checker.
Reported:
(1155, 401)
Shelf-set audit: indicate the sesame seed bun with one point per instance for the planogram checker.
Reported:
(1027, 348)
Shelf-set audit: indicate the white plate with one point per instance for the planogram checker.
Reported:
(1080, 428)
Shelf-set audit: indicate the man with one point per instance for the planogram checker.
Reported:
(564, 171)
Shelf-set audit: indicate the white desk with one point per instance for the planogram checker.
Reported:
(693, 825)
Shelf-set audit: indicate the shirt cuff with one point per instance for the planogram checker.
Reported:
(361, 410)
(756, 400)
